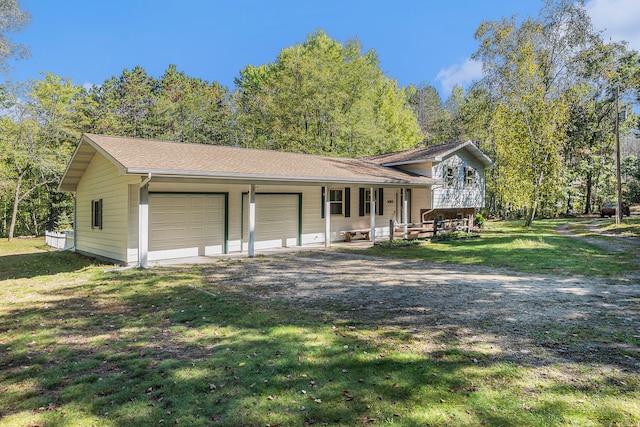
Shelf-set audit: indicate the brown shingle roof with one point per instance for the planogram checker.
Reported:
(143, 156)
(430, 153)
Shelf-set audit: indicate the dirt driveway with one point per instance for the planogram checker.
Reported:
(526, 318)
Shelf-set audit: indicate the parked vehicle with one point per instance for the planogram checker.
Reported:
(609, 209)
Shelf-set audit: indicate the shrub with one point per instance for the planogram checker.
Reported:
(479, 220)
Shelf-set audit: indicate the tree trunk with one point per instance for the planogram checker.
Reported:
(531, 214)
(587, 201)
(16, 201)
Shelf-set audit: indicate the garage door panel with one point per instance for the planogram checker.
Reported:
(185, 225)
(277, 217)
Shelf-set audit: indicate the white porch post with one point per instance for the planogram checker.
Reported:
(327, 217)
(405, 212)
(252, 220)
(143, 227)
(373, 216)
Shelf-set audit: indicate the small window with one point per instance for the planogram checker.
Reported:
(470, 177)
(335, 200)
(96, 214)
(367, 201)
(450, 177)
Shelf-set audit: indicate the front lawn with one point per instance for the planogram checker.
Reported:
(508, 244)
(79, 346)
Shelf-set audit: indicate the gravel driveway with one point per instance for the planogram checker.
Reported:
(528, 318)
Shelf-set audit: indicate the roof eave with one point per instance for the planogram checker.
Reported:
(279, 178)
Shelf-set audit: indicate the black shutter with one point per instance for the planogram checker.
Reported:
(361, 202)
(347, 202)
(100, 214)
(380, 202)
(322, 203)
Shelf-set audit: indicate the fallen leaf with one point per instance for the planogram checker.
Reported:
(443, 401)
(527, 407)
(269, 397)
(348, 395)
(252, 385)
(317, 400)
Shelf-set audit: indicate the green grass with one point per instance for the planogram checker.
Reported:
(508, 244)
(79, 346)
(628, 227)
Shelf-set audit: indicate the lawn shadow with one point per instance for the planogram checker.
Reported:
(26, 266)
(151, 347)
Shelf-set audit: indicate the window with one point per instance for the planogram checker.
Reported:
(96, 214)
(367, 201)
(335, 201)
(450, 177)
(470, 177)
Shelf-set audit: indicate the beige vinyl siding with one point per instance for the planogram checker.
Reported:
(420, 200)
(423, 169)
(101, 180)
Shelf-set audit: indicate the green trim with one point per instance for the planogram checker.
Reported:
(299, 219)
(225, 243)
(226, 224)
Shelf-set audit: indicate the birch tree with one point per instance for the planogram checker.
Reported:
(529, 66)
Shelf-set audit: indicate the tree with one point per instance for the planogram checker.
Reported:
(12, 20)
(529, 68)
(433, 119)
(35, 143)
(191, 110)
(324, 97)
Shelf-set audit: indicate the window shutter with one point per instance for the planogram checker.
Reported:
(347, 202)
(100, 214)
(93, 214)
(322, 202)
(361, 202)
(380, 201)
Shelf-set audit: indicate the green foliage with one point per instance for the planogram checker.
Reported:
(479, 220)
(12, 20)
(324, 97)
(174, 107)
(532, 71)
(35, 145)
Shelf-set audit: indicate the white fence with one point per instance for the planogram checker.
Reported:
(63, 240)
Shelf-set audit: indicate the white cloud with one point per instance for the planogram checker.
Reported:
(459, 74)
(617, 19)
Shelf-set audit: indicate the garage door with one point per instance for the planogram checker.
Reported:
(184, 225)
(277, 217)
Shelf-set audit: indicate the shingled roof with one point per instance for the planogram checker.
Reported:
(433, 153)
(166, 158)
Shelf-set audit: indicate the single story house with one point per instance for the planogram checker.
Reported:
(139, 200)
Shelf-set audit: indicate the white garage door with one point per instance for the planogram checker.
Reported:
(277, 217)
(184, 225)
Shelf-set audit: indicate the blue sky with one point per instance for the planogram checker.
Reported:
(417, 41)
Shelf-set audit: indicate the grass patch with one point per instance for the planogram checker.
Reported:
(82, 347)
(508, 244)
(628, 227)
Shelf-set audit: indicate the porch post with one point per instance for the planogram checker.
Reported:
(373, 216)
(327, 217)
(143, 227)
(252, 220)
(405, 213)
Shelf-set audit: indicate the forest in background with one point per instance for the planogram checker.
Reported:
(545, 112)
